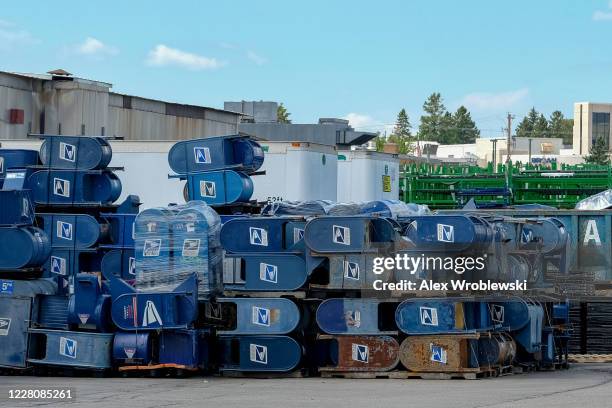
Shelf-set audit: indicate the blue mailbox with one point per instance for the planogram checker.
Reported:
(71, 349)
(23, 247)
(219, 187)
(259, 353)
(133, 310)
(263, 316)
(75, 152)
(68, 188)
(89, 307)
(353, 316)
(216, 153)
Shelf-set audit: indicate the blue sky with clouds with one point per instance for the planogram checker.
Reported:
(362, 60)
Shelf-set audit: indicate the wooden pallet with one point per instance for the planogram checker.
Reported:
(158, 370)
(398, 374)
(465, 375)
(301, 373)
(395, 375)
(590, 358)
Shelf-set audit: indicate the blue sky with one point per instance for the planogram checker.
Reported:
(362, 60)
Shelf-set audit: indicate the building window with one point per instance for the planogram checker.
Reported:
(601, 127)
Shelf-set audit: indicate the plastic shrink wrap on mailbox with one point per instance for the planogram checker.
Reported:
(599, 201)
(311, 208)
(384, 208)
(173, 242)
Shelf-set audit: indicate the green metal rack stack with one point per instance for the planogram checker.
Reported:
(451, 185)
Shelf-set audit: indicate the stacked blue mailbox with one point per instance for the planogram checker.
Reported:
(263, 254)
(217, 169)
(353, 334)
(271, 254)
(177, 264)
(24, 250)
(69, 185)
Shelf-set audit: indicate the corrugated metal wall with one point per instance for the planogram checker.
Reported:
(19, 93)
(144, 119)
(75, 107)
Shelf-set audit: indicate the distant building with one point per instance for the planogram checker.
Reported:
(486, 150)
(257, 111)
(60, 103)
(591, 121)
(329, 131)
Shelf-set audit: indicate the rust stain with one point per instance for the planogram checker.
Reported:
(366, 353)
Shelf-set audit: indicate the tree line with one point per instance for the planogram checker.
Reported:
(439, 125)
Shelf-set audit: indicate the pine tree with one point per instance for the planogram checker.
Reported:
(401, 133)
(540, 127)
(560, 127)
(282, 116)
(533, 125)
(402, 124)
(464, 128)
(447, 129)
(599, 152)
(432, 122)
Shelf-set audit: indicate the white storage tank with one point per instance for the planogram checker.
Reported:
(297, 171)
(367, 175)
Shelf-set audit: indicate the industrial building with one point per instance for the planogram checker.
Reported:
(260, 120)
(486, 150)
(60, 103)
(591, 121)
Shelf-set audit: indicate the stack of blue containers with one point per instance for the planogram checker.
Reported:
(23, 252)
(263, 254)
(69, 192)
(72, 192)
(217, 169)
(177, 265)
(269, 256)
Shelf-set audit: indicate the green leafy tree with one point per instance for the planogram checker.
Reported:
(599, 152)
(561, 127)
(380, 142)
(432, 122)
(282, 116)
(534, 124)
(463, 129)
(401, 133)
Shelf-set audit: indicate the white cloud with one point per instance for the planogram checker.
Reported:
(359, 121)
(494, 101)
(12, 36)
(603, 15)
(163, 55)
(367, 123)
(94, 47)
(257, 59)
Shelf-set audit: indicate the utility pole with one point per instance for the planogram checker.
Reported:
(509, 152)
(530, 140)
(509, 138)
(494, 142)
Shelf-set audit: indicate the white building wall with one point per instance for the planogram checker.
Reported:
(583, 125)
